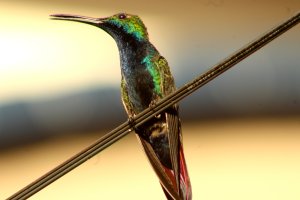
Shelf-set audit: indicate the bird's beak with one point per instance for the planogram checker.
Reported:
(79, 18)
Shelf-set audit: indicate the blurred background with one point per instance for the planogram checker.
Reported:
(59, 92)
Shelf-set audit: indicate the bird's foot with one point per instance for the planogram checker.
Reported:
(152, 105)
(131, 123)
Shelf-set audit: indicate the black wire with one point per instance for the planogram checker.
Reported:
(147, 114)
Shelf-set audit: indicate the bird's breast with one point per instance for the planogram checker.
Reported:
(140, 87)
(135, 71)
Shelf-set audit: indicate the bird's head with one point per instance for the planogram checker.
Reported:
(117, 26)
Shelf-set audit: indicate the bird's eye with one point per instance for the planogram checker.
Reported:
(122, 16)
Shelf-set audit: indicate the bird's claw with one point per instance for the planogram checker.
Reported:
(131, 123)
(152, 105)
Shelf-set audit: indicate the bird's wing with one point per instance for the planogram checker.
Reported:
(172, 119)
(125, 98)
(173, 127)
(167, 80)
(161, 171)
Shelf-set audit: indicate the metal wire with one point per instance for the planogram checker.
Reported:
(147, 114)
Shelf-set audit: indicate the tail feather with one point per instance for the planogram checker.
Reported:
(167, 176)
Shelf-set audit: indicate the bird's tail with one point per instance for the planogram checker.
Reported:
(167, 177)
(185, 184)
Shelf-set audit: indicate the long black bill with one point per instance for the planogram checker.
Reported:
(78, 18)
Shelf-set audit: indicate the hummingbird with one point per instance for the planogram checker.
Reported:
(145, 79)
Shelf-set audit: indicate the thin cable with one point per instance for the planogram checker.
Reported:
(148, 113)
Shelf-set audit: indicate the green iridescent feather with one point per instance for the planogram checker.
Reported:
(154, 70)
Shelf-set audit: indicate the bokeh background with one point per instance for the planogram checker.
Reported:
(59, 92)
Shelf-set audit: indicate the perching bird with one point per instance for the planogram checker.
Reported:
(146, 78)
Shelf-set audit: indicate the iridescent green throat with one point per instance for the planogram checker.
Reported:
(132, 25)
